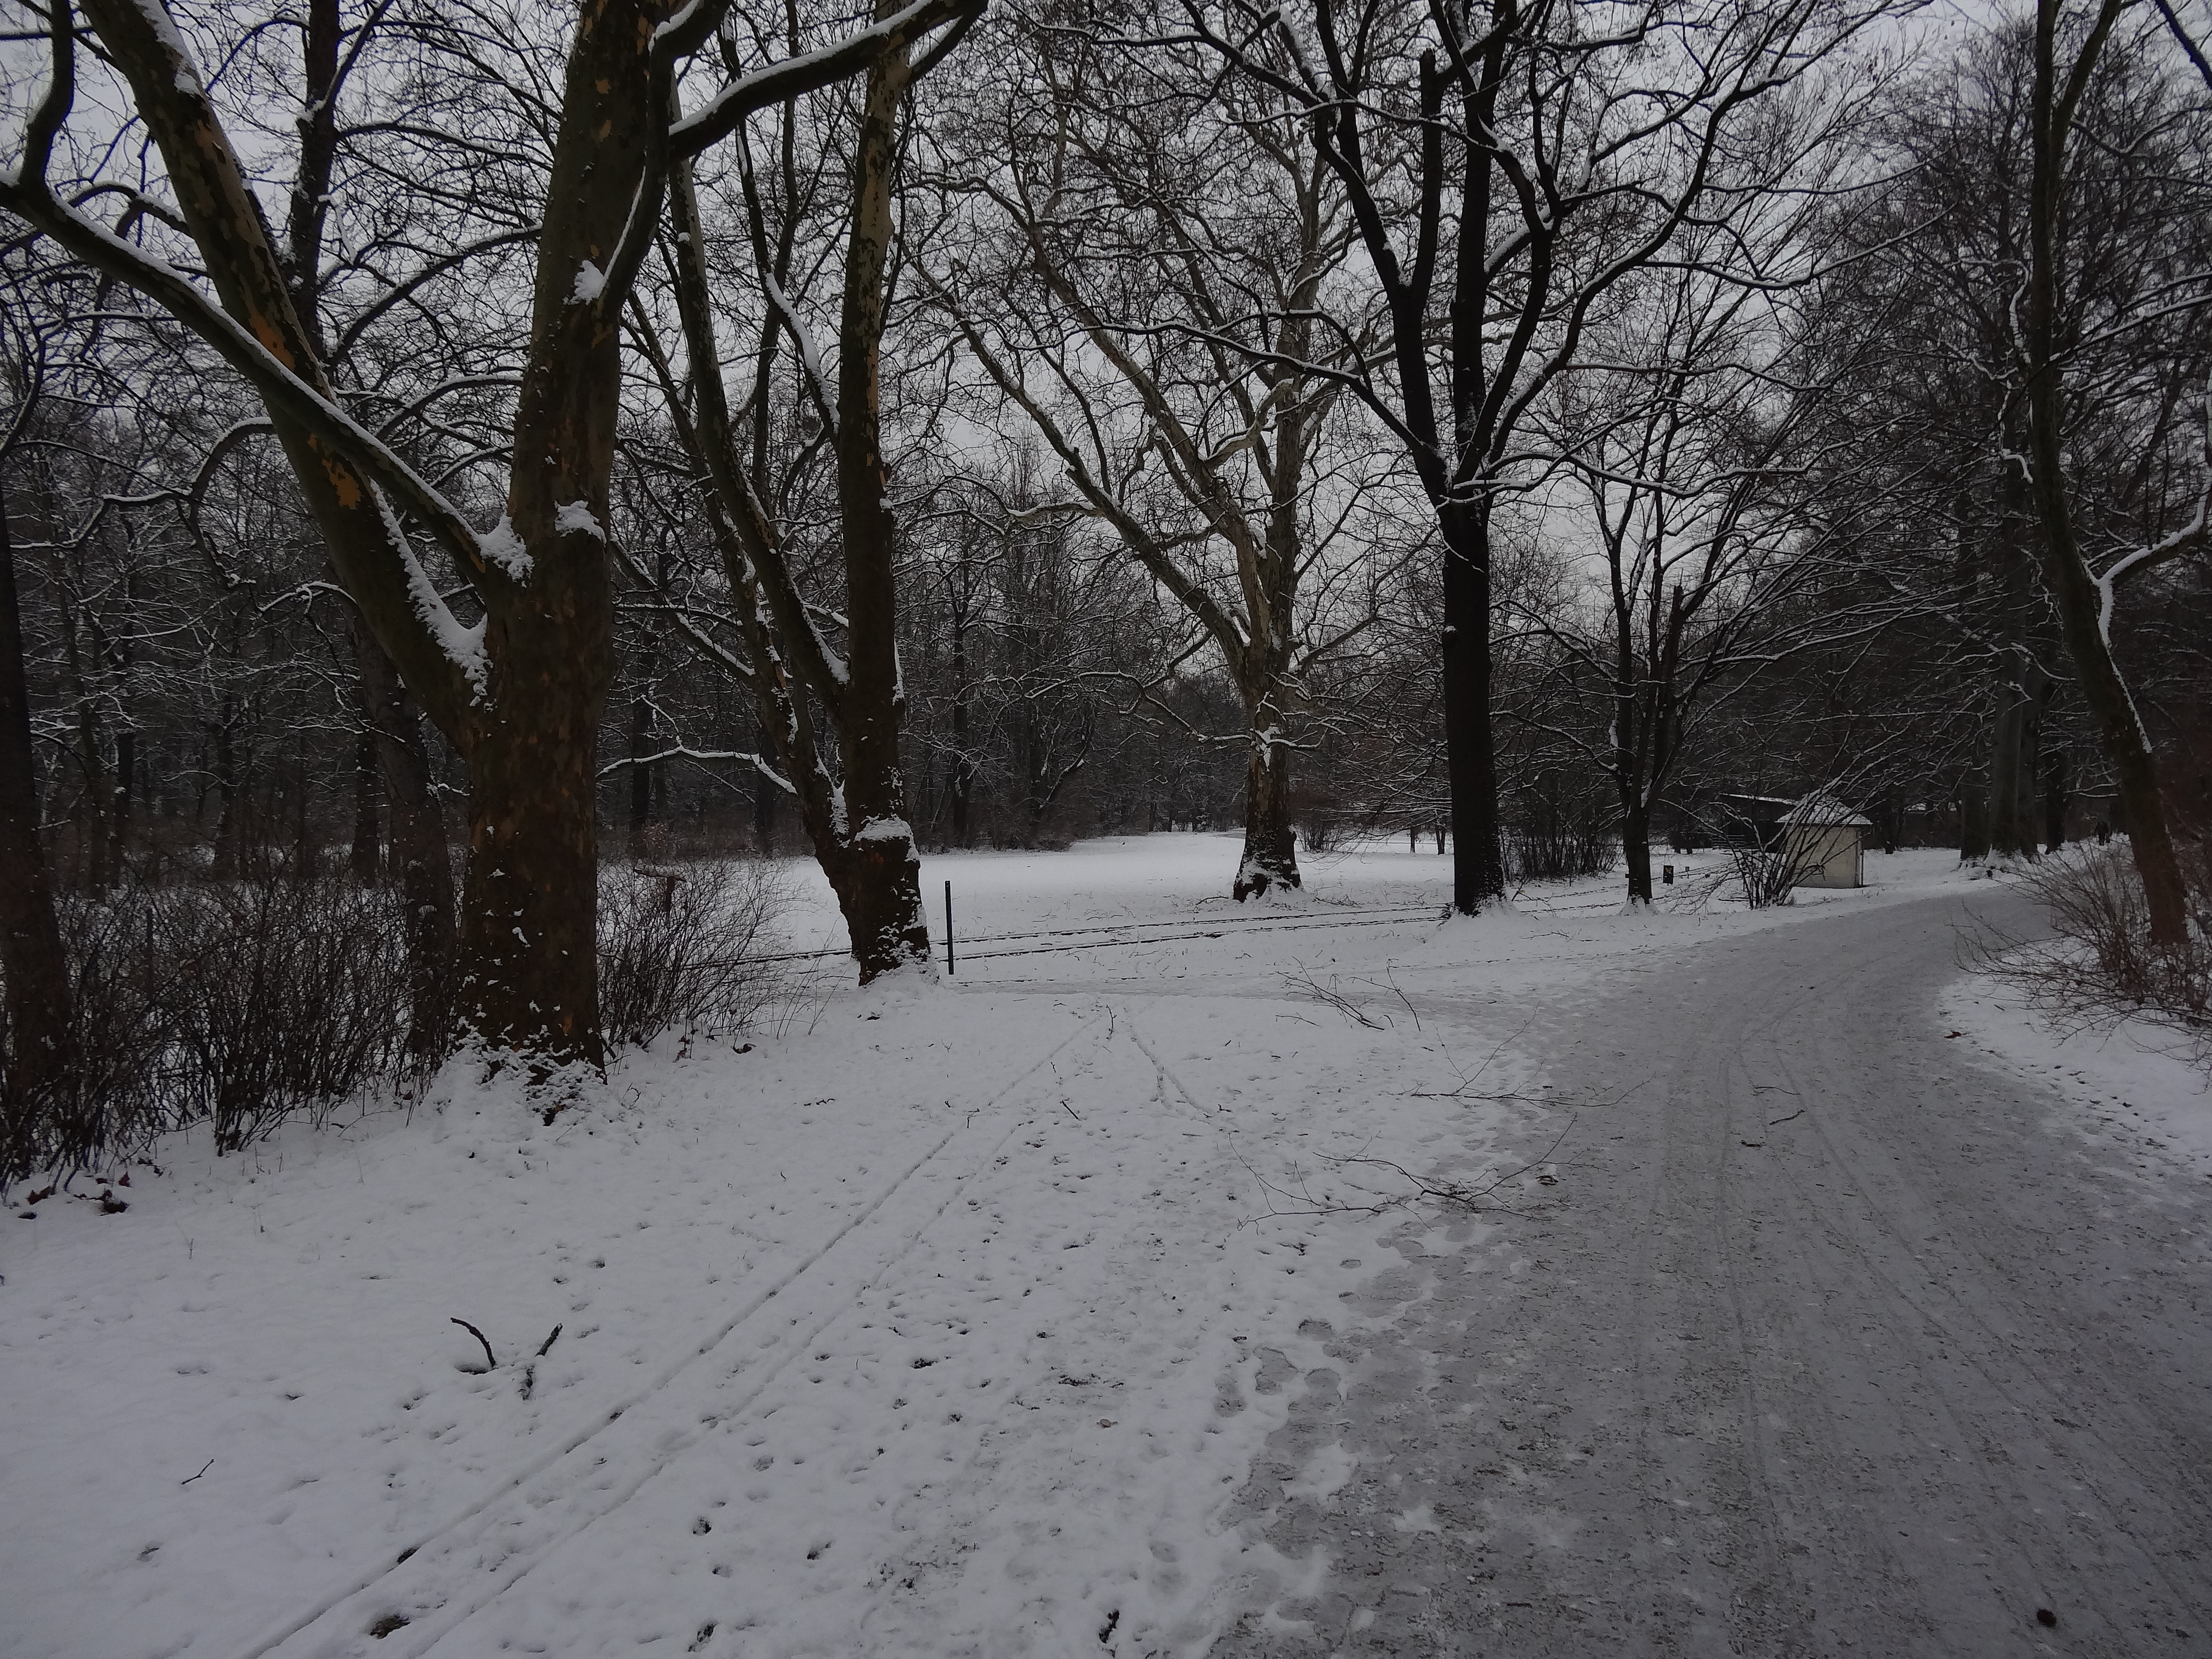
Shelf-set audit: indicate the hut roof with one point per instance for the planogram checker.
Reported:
(1822, 810)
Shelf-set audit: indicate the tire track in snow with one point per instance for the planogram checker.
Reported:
(378, 1591)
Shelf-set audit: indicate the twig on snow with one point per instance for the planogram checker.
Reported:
(1303, 980)
(1467, 1079)
(491, 1363)
(1468, 1196)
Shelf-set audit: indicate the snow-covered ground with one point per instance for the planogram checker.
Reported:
(943, 1320)
(2132, 1087)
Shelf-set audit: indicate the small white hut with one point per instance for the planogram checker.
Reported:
(1827, 841)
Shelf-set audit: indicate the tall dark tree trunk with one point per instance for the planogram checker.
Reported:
(880, 888)
(1636, 845)
(2057, 786)
(2012, 748)
(857, 823)
(1973, 821)
(529, 898)
(42, 1055)
(1478, 862)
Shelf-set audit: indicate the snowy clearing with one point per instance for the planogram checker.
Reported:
(945, 1320)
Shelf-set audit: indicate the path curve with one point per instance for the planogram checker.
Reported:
(1885, 1379)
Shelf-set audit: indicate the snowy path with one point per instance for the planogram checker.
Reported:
(1830, 1341)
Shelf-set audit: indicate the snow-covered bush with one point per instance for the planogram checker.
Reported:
(2101, 966)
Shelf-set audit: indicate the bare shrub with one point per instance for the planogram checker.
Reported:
(1767, 872)
(679, 943)
(1560, 831)
(282, 997)
(234, 1004)
(109, 1102)
(1322, 829)
(2101, 967)
(238, 1004)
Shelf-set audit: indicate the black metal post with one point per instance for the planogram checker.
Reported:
(948, 930)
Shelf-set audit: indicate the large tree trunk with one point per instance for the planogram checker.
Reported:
(1973, 821)
(2080, 604)
(529, 934)
(1636, 842)
(523, 707)
(1271, 846)
(857, 823)
(1478, 860)
(41, 1053)
(2015, 738)
(881, 886)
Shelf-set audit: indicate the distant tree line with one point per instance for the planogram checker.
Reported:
(447, 445)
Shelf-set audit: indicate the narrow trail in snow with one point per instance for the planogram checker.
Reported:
(1832, 1342)
(454, 1568)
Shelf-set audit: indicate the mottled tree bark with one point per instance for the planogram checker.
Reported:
(1973, 821)
(1271, 846)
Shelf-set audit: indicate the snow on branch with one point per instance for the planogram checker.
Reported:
(808, 72)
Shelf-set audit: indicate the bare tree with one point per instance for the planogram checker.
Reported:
(1507, 165)
(1700, 434)
(1152, 313)
(2060, 328)
(855, 813)
(518, 694)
